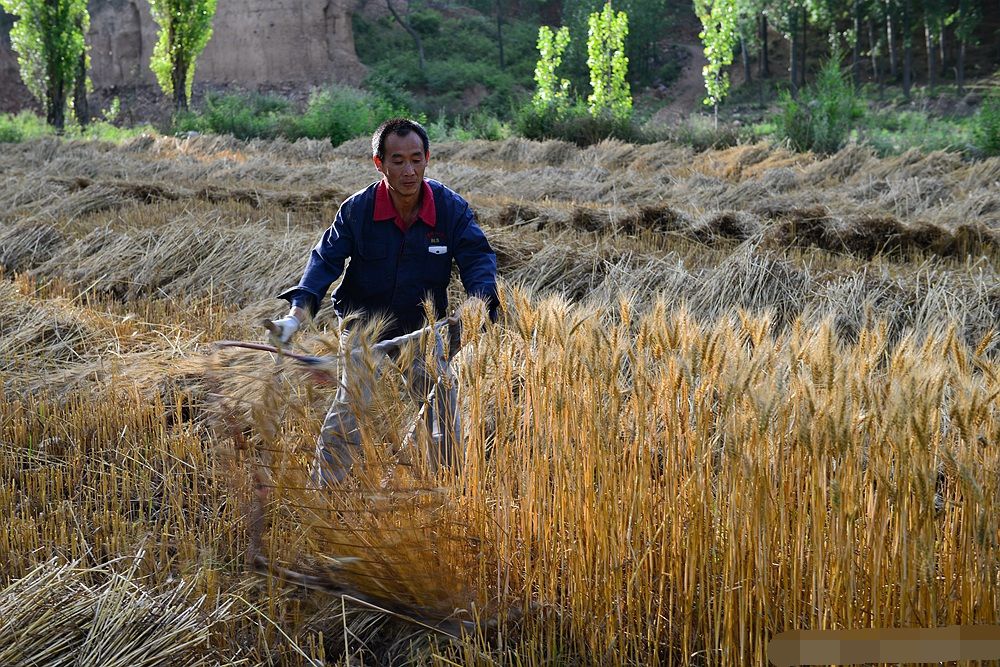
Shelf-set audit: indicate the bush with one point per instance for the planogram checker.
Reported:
(244, 116)
(393, 84)
(339, 113)
(102, 130)
(25, 125)
(574, 124)
(700, 133)
(822, 118)
(427, 22)
(892, 132)
(478, 125)
(10, 133)
(986, 126)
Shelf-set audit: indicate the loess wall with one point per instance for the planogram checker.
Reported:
(255, 43)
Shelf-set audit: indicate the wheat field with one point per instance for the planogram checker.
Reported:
(730, 394)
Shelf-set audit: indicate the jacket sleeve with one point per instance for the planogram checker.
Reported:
(477, 263)
(326, 262)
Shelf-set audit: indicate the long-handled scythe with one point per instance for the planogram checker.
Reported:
(322, 370)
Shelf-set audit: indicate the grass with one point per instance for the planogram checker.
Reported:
(896, 132)
(715, 368)
(27, 125)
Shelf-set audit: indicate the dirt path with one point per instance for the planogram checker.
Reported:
(687, 93)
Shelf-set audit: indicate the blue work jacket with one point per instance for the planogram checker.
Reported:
(391, 272)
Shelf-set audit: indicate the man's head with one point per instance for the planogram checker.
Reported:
(400, 151)
(399, 127)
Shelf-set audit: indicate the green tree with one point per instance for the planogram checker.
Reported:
(787, 18)
(649, 21)
(608, 64)
(48, 36)
(935, 13)
(966, 19)
(720, 34)
(407, 23)
(551, 92)
(185, 28)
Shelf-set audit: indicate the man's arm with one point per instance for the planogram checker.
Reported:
(326, 263)
(477, 263)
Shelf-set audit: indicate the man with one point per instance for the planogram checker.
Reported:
(401, 235)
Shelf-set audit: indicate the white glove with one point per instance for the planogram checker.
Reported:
(285, 328)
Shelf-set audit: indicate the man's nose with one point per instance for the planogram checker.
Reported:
(408, 168)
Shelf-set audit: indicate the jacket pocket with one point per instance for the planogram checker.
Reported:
(437, 262)
(374, 269)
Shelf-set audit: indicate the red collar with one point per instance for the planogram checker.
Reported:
(386, 210)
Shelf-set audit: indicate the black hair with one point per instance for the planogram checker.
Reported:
(401, 127)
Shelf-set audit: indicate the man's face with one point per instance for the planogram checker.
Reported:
(404, 163)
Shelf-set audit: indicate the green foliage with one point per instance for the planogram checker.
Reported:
(986, 126)
(477, 125)
(551, 92)
(105, 131)
(460, 73)
(26, 126)
(574, 123)
(701, 133)
(822, 118)
(9, 133)
(113, 111)
(608, 64)
(892, 132)
(426, 21)
(338, 113)
(650, 21)
(185, 28)
(391, 84)
(12, 127)
(48, 36)
(719, 35)
(537, 122)
(242, 116)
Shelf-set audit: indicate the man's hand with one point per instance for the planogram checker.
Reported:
(283, 330)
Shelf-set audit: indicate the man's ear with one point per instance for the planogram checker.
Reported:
(378, 164)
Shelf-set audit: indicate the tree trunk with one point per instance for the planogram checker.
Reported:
(80, 108)
(805, 48)
(960, 70)
(178, 78)
(414, 35)
(55, 109)
(747, 70)
(500, 31)
(907, 50)
(764, 70)
(890, 36)
(942, 46)
(856, 46)
(876, 51)
(793, 55)
(932, 64)
(56, 88)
